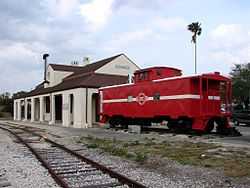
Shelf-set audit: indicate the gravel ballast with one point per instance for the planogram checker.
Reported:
(20, 167)
(177, 175)
(180, 176)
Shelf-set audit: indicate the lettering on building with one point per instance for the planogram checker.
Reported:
(126, 67)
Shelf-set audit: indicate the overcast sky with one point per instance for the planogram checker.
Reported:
(150, 32)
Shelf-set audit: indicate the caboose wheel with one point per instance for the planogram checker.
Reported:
(209, 126)
(114, 122)
(172, 124)
(236, 123)
(180, 125)
(111, 123)
(124, 125)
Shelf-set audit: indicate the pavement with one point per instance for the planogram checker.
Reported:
(243, 140)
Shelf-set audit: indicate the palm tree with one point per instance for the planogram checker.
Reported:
(195, 28)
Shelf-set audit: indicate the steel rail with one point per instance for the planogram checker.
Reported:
(58, 180)
(121, 178)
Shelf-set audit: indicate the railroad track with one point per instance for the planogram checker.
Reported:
(68, 168)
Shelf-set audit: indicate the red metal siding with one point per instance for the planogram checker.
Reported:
(172, 103)
(196, 97)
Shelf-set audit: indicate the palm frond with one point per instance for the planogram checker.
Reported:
(199, 31)
(195, 28)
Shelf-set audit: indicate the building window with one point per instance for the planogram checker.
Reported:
(47, 104)
(158, 72)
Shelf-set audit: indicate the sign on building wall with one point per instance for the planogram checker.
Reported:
(126, 67)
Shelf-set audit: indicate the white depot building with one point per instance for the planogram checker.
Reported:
(69, 94)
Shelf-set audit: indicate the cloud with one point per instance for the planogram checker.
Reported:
(17, 51)
(22, 9)
(123, 40)
(61, 9)
(20, 67)
(141, 4)
(97, 12)
(17, 81)
(224, 56)
(229, 35)
(170, 24)
(31, 28)
(230, 43)
(71, 29)
(155, 30)
(65, 7)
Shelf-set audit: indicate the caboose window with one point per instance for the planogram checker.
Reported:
(143, 76)
(158, 72)
(156, 96)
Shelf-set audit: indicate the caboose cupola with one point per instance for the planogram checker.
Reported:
(153, 73)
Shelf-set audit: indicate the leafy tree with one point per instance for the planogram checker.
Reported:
(4, 98)
(6, 102)
(19, 94)
(195, 28)
(241, 82)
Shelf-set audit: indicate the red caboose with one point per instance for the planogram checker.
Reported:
(162, 94)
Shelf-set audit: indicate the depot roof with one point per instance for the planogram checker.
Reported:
(82, 77)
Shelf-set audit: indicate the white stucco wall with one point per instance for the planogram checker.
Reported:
(79, 118)
(59, 76)
(15, 110)
(55, 77)
(82, 108)
(79, 108)
(119, 66)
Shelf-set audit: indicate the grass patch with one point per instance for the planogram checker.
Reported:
(234, 164)
(140, 157)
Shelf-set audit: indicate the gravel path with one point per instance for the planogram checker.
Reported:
(20, 167)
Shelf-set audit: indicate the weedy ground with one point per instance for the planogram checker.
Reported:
(233, 162)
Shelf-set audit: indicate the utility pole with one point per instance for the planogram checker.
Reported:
(195, 28)
(195, 57)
